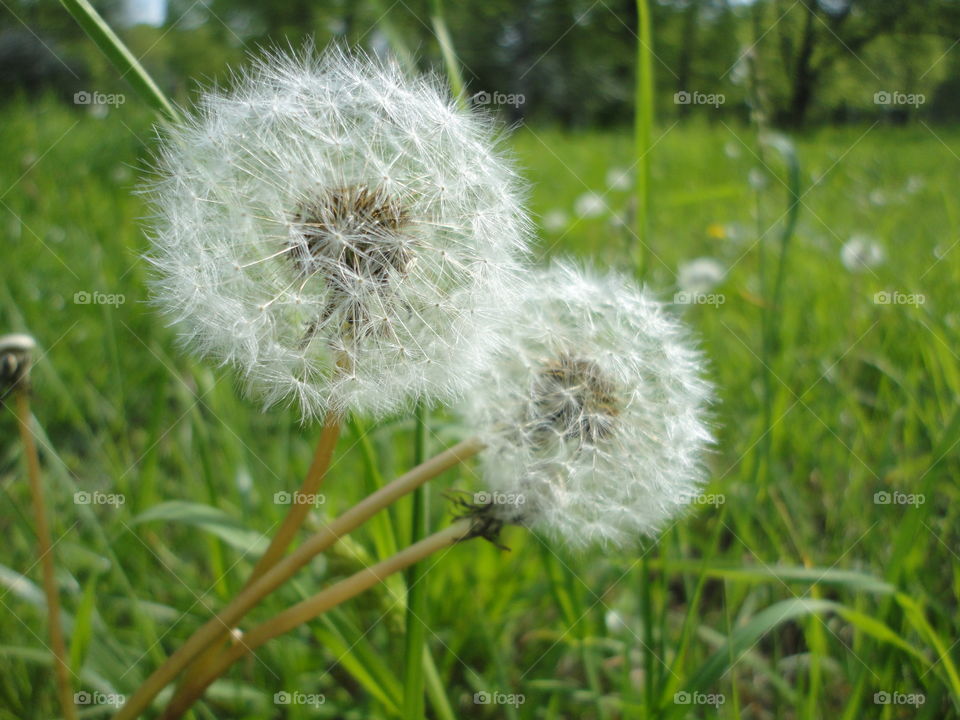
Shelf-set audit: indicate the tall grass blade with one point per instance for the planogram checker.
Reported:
(120, 56)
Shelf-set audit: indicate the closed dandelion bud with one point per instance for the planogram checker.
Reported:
(595, 415)
(341, 233)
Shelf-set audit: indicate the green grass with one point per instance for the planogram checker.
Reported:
(816, 596)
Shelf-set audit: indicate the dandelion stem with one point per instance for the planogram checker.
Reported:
(320, 603)
(298, 510)
(218, 626)
(299, 507)
(58, 646)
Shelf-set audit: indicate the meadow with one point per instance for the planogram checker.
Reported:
(818, 575)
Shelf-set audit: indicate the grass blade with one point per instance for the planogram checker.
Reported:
(120, 56)
(643, 129)
(413, 705)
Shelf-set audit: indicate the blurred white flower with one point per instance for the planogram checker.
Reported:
(861, 253)
(914, 184)
(732, 150)
(555, 220)
(878, 197)
(340, 232)
(619, 179)
(700, 275)
(589, 205)
(757, 179)
(594, 415)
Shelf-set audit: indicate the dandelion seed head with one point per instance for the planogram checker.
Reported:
(595, 414)
(700, 275)
(589, 205)
(861, 253)
(340, 232)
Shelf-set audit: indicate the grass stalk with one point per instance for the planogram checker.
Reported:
(643, 131)
(120, 57)
(415, 621)
(45, 546)
(218, 626)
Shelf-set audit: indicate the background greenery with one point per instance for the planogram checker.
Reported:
(799, 596)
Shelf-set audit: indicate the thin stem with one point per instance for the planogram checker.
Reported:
(320, 603)
(301, 502)
(218, 626)
(59, 648)
(415, 621)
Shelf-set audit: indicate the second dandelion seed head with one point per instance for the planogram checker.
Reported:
(595, 417)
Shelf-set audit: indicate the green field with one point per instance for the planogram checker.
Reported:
(799, 593)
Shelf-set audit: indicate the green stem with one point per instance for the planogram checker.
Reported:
(413, 685)
(643, 130)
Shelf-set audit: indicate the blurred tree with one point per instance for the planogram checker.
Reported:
(815, 34)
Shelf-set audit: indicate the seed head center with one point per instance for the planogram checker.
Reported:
(573, 398)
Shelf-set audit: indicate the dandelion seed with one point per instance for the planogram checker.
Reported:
(594, 414)
(340, 232)
(861, 253)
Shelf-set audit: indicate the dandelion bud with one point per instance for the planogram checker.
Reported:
(595, 413)
(343, 234)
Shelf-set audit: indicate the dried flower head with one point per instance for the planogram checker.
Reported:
(15, 350)
(594, 414)
(340, 232)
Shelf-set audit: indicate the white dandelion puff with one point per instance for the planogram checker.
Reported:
(619, 178)
(594, 416)
(340, 232)
(555, 220)
(861, 253)
(700, 275)
(589, 205)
